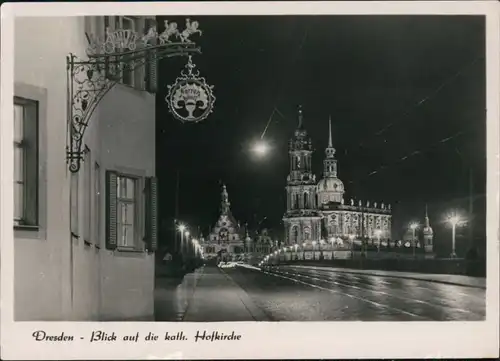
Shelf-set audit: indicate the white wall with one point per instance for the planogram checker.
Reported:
(106, 285)
(127, 130)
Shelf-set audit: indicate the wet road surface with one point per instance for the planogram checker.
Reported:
(302, 294)
(313, 294)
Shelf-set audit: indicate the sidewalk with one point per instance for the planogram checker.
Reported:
(217, 298)
(455, 280)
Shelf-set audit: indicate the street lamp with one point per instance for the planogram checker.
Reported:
(413, 227)
(260, 148)
(454, 220)
(181, 229)
(378, 233)
(351, 240)
(314, 252)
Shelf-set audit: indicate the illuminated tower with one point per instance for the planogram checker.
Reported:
(330, 188)
(428, 234)
(301, 219)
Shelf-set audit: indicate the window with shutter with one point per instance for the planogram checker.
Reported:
(127, 212)
(111, 210)
(25, 162)
(109, 68)
(151, 66)
(151, 236)
(128, 71)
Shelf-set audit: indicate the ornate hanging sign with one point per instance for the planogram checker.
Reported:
(120, 41)
(109, 57)
(190, 98)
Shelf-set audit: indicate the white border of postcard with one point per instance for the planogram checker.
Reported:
(259, 339)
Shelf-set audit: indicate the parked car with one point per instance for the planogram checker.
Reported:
(227, 264)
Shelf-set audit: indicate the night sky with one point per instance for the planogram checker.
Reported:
(393, 85)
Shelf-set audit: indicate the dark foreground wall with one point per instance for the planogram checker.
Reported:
(476, 268)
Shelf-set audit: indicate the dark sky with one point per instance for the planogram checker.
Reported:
(367, 72)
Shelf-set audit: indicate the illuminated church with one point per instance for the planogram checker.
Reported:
(316, 211)
(225, 241)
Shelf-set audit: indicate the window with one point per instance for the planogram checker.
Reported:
(131, 215)
(295, 234)
(128, 77)
(144, 74)
(307, 233)
(97, 204)
(150, 69)
(109, 23)
(25, 162)
(126, 74)
(126, 210)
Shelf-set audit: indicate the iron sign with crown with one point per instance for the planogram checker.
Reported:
(119, 51)
(190, 98)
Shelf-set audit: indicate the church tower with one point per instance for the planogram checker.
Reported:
(428, 234)
(330, 188)
(301, 220)
(225, 240)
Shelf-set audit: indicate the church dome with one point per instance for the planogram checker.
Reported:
(330, 189)
(327, 185)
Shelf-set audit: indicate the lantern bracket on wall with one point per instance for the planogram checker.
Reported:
(109, 59)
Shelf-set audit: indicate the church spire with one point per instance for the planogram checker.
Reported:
(301, 118)
(330, 143)
(330, 163)
(224, 200)
(330, 150)
(427, 223)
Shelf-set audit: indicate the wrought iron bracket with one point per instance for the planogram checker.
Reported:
(89, 81)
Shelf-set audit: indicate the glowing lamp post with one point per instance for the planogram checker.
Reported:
(454, 221)
(181, 228)
(351, 240)
(413, 227)
(186, 235)
(378, 233)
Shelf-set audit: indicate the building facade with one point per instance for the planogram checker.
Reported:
(226, 239)
(79, 237)
(317, 212)
(302, 220)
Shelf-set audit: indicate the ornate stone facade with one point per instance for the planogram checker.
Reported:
(302, 220)
(317, 211)
(226, 240)
(361, 221)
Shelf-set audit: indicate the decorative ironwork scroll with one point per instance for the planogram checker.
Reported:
(109, 58)
(190, 98)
